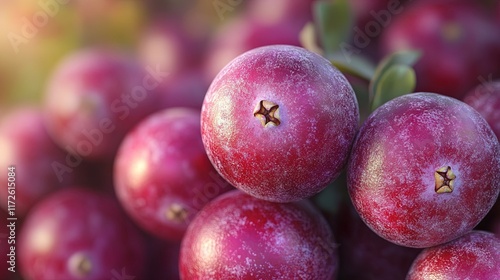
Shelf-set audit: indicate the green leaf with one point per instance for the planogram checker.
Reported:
(307, 37)
(334, 22)
(397, 80)
(407, 57)
(355, 65)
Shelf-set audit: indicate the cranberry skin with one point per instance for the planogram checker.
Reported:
(318, 119)
(485, 98)
(456, 35)
(162, 174)
(25, 144)
(393, 178)
(475, 255)
(237, 236)
(79, 234)
(94, 97)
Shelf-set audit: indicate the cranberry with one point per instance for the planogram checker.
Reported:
(245, 33)
(485, 98)
(456, 41)
(178, 50)
(172, 44)
(475, 255)
(278, 122)
(280, 11)
(26, 146)
(237, 236)
(163, 176)
(94, 97)
(76, 233)
(424, 170)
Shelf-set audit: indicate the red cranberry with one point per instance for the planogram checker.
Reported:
(424, 170)
(278, 122)
(456, 40)
(237, 236)
(485, 98)
(162, 174)
(178, 50)
(26, 146)
(94, 97)
(475, 255)
(76, 233)
(280, 11)
(172, 45)
(244, 33)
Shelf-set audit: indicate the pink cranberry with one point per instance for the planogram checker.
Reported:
(424, 170)
(237, 236)
(456, 41)
(163, 176)
(278, 122)
(36, 159)
(475, 255)
(94, 97)
(77, 233)
(485, 98)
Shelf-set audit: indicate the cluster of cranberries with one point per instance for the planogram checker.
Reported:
(136, 168)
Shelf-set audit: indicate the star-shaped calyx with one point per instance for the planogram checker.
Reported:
(177, 212)
(268, 113)
(445, 178)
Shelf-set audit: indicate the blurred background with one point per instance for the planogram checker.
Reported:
(181, 35)
(192, 40)
(194, 36)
